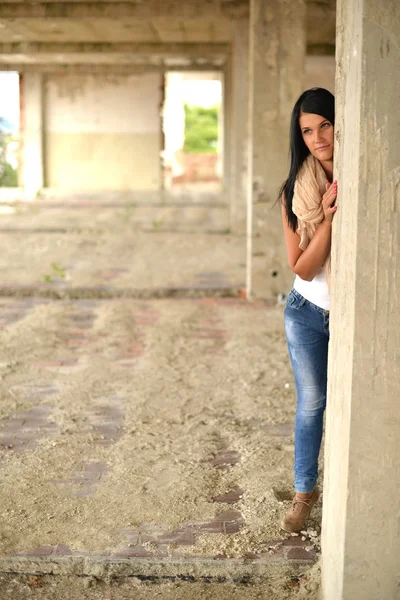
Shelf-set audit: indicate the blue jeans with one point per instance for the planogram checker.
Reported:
(307, 335)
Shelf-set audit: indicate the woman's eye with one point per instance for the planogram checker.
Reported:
(307, 131)
(325, 125)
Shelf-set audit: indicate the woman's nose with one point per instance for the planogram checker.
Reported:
(317, 137)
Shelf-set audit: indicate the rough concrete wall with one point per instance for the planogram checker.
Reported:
(320, 72)
(361, 526)
(278, 36)
(103, 132)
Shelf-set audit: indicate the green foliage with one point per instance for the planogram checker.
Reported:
(58, 272)
(201, 129)
(128, 213)
(156, 224)
(8, 175)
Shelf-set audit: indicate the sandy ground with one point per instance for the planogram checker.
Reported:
(136, 242)
(184, 378)
(126, 424)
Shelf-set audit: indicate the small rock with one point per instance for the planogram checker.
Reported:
(294, 534)
(312, 586)
(87, 582)
(312, 533)
(303, 539)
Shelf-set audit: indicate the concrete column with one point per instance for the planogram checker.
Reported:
(227, 128)
(278, 47)
(221, 132)
(277, 66)
(239, 124)
(361, 525)
(32, 177)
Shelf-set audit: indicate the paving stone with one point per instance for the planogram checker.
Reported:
(96, 467)
(300, 554)
(87, 480)
(40, 551)
(211, 527)
(36, 389)
(62, 550)
(230, 528)
(111, 274)
(136, 551)
(229, 516)
(230, 497)
(294, 541)
(182, 537)
(34, 426)
(226, 459)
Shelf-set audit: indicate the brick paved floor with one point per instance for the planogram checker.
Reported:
(86, 385)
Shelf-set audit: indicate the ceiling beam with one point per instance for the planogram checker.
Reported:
(173, 9)
(144, 49)
(112, 69)
(105, 59)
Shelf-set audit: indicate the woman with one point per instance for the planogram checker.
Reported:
(308, 196)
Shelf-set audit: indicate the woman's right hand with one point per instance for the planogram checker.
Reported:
(328, 199)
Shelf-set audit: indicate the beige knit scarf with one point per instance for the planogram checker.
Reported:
(307, 206)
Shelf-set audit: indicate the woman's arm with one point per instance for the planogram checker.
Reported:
(306, 263)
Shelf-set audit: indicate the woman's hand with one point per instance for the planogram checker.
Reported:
(328, 199)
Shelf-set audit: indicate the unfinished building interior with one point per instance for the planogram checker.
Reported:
(92, 90)
(93, 87)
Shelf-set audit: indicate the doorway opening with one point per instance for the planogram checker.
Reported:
(9, 129)
(192, 116)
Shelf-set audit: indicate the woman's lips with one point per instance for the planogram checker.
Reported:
(322, 147)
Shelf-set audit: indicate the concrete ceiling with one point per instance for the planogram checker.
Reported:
(114, 30)
(54, 32)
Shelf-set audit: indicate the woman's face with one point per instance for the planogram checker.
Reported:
(317, 134)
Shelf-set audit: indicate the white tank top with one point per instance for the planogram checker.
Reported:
(315, 291)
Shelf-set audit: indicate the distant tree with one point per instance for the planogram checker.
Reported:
(8, 175)
(201, 129)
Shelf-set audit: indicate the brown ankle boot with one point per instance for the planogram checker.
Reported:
(297, 515)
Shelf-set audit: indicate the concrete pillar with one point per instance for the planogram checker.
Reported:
(239, 124)
(221, 133)
(361, 525)
(31, 170)
(277, 65)
(278, 47)
(227, 127)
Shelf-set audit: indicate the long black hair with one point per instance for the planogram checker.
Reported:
(319, 102)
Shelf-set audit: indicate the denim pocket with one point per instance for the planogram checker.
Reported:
(295, 301)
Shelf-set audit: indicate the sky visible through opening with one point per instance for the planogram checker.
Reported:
(9, 98)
